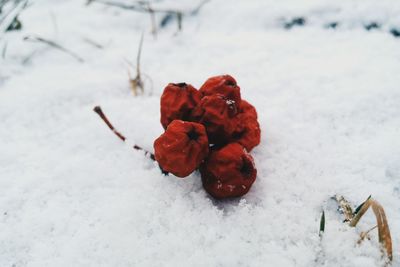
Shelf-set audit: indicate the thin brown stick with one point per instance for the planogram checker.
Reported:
(100, 112)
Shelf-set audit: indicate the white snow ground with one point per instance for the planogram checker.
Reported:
(72, 194)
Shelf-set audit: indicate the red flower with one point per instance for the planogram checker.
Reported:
(247, 132)
(177, 101)
(228, 172)
(224, 85)
(181, 148)
(217, 114)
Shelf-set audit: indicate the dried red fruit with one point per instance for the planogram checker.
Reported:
(224, 85)
(177, 102)
(228, 171)
(247, 132)
(248, 109)
(181, 148)
(217, 114)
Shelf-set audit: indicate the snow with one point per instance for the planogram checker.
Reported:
(72, 194)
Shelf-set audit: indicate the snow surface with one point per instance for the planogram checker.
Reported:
(72, 194)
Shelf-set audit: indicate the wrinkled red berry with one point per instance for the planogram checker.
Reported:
(177, 101)
(228, 172)
(224, 85)
(217, 114)
(181, 148)
(247, 131)
(248, 109)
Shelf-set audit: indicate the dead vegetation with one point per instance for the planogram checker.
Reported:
(136, 84)
(141, 81)
(101, 114)
(168, 15)
(352, 218)
(9, 12)
(53, 44)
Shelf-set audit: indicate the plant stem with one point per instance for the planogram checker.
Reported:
(100, 112)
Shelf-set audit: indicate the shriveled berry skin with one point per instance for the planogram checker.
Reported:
(247, 131)
(181, 148)
(177, 102)
(217, 114)
(228, 172)
(248, 109)
(225, 85)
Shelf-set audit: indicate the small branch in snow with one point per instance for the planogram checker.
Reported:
(100, 112)
(54, 45)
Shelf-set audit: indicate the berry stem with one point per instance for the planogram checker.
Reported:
(100, 112)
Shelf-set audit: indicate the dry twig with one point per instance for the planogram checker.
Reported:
(100, 112)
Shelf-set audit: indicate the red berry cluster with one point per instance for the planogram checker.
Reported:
(211, 129)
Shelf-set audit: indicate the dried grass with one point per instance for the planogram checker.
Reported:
(383, 227)
(136, 84)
